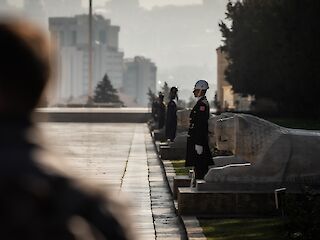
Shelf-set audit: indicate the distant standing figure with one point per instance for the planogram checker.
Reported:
(154, 110)
(171, 116)
(198, 152)
(38, 199)
(161, 111)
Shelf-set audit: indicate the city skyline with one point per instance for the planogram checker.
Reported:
(183, 50)
(148, 4)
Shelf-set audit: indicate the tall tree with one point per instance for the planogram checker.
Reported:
(105, 92)
(274, 53)
(151, 96)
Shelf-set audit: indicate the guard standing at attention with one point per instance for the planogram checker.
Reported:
(161, 111)
(154, 110)
(198, 152)
(171, 120)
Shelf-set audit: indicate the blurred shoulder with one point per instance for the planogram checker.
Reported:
(204, 101)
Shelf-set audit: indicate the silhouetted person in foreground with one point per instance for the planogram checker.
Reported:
(37, 199)
(171, 116)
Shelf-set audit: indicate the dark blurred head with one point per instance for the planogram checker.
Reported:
(173, 92)
(161, 96)
(24, 67)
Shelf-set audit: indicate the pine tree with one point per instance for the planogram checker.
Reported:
(151, 95)
(105, 92)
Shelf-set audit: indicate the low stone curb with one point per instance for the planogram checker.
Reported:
(168, 224)
(190, 223)
(194, 231)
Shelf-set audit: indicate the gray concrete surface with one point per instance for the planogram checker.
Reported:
(93, 115)
(191, 224)
(120, 157)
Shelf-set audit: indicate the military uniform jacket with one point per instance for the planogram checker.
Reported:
(154, 110)
(198, 133)
(171, 120)
(198, 128)
(161, 114)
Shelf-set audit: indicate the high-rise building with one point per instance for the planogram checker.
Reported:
(227, 98)
(224, 89)
(140, 76)
(71, 35)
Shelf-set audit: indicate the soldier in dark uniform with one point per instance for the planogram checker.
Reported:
(158, 112)
(38, 199)
(198, 152)
(154, 110)
(171, 116)
(161, 111)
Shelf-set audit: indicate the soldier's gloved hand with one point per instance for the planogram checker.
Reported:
(199, 149)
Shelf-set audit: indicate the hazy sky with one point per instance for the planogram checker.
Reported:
(187, 55)
(144, 3)
(165, 2)
(151, 3)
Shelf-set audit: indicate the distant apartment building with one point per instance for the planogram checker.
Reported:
(226, 97)
(71, 36)
(224, 89)
(140, 76)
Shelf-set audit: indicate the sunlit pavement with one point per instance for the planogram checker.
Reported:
(121, 157)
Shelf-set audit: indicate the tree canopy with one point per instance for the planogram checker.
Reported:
(274, 52)
(151, 96)
(105, 92)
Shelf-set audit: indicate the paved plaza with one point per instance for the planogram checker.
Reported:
(122, 157)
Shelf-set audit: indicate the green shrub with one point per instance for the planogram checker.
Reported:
(303, 215)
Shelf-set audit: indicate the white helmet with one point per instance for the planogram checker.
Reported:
(202, 85)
